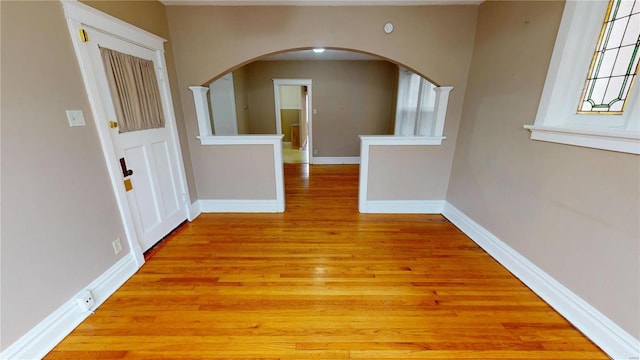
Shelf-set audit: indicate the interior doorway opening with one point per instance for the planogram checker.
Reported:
(293, 101)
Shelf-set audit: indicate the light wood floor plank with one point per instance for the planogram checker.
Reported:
(322, 281)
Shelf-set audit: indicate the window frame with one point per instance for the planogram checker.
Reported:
(425, 124)
(424, 111)
(557, 119)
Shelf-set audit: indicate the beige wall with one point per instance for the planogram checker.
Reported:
(351, 98)
(59, 213)
(407, 173)
(572, 211)
(436, 41)
(236, 172)
(209, 41)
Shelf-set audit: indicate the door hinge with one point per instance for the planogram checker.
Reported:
(84, 37)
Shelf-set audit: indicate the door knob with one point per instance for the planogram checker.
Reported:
(113, 124)
(125, 172)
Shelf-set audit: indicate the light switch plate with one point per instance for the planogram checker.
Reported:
(76, 118)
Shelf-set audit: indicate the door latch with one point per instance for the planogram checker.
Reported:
(125, 172)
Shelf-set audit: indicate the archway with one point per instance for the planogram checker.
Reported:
(352, 112)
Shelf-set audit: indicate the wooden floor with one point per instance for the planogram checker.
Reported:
(322, 281)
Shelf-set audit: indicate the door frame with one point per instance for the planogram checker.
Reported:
(276, 97)
(78, 16)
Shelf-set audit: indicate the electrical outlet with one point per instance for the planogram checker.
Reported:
(86, 301)
(117, 246)
(315, 151)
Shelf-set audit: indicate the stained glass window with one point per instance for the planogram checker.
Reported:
(614, 66)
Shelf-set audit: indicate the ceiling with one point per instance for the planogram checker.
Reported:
(306, 55)
(320, 2)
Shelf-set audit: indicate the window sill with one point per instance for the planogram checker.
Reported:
(625, 142)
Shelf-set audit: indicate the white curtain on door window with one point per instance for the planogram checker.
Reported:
(134, 90)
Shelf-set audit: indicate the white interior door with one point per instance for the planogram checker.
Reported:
(155, 199)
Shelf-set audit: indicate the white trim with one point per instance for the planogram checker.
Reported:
(401, 140)
(279, 176)
(440, 110)
(201, 101)
(276, 100)
(194, 210)
(557, 119)
(337, 160)
(623, 142)
(73, 9)
(363, 179)
(42, 338)
(615, 341)
(403, 206)
(241, 140)
(244, 206)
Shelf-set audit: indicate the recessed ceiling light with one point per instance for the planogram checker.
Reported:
(318, 50)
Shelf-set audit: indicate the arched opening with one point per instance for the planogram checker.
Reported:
(329, 53)
(356, 93)
(355, 100)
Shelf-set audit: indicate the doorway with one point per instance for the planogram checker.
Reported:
(293, 118)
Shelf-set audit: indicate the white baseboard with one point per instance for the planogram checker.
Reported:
(610, 337)
(325, 160)
(248, 206)
(36, 343)
(402, 206)
(194, 210)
